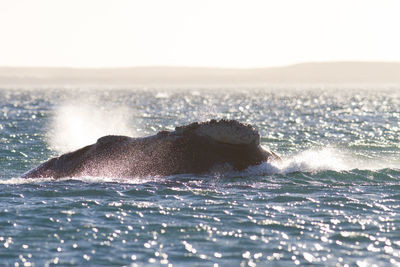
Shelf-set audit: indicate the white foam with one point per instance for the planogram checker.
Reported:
(86, 179)
(315, 160)
(16, 181)
(122, 180)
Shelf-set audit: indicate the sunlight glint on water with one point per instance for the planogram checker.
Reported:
(332, 200)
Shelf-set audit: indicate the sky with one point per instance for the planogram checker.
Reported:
(216, 33)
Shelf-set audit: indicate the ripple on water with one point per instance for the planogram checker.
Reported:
(332, 200)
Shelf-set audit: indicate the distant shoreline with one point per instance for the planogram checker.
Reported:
(325, 73)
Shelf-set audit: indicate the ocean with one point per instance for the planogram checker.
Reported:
(333, 200)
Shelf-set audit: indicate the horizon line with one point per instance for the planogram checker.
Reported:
(199, 66)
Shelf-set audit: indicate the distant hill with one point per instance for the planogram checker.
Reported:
(305, 73)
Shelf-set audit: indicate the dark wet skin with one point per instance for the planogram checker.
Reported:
(167, 153)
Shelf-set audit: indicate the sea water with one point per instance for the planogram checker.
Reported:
(333, 200)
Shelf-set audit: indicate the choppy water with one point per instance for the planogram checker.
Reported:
(333, 200)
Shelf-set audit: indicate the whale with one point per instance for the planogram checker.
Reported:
(196, 148)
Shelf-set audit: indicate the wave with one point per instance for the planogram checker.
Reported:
(325, 159)
(317, 162)
(332, 162)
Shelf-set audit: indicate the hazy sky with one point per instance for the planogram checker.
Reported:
(223, 33)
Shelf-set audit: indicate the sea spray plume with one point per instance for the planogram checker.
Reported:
(194, 148)
(78, 123)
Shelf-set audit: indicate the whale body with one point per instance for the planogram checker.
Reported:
(195, 148)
